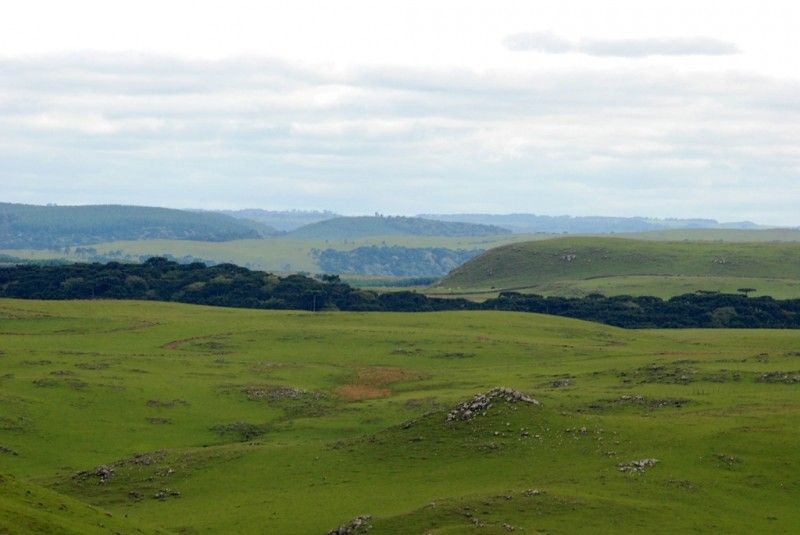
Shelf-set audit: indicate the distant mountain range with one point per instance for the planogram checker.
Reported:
(24, 226)
(281, 220)
(532, 223)
(367, 226)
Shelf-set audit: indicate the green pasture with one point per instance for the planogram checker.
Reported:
(216, 420)
(577, 266)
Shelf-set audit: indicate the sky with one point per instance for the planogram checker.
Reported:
(619, 108)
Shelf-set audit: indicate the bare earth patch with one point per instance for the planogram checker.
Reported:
(372, 382)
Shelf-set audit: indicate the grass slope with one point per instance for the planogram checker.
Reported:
(366, 226)
(581, 265)
(275, 254)
(213, 420)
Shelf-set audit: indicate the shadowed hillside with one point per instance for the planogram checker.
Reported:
(43, 227)
(360, 227)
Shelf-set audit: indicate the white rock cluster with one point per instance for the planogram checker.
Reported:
(478, 404)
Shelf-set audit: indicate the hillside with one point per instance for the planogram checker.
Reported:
(581, 265)
(190, 419)
(532, 223)
(24, 226)
(366, 226)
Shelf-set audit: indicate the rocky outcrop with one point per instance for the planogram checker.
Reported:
(481, 402)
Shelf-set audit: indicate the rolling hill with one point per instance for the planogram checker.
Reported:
(142, 417)
(366, 226)
(24, 226)
(583, 265)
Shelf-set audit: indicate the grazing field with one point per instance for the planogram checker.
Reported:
(161, 418)
(578, 266)
(273, 254)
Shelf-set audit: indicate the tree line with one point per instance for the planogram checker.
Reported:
(160, 279)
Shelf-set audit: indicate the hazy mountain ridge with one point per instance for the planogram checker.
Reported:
(46, 227)
(364, 226)
(532, 223)
(281, 220)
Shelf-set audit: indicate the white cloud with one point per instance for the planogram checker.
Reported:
(551, 43)
(405, 106)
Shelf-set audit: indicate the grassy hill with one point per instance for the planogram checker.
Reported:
(366, 226)
(582, 265)
(25, 226)
(210, 420)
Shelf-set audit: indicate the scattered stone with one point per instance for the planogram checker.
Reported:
(163, 494)
(637, 466)
(728, 460)
(481, 402)
(779, 377)
(103, 473)
(243, 430)
(92, 365)
(561, 382)
(532, 492)
(156, 403)
(278, 392)
(508, 527)
(359, 524)
(158, 421)
(133, 495)
(7, 451)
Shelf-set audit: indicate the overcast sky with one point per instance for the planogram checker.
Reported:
(666, 109)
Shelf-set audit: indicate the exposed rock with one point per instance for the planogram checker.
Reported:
(278, 392)
(637, 466)
(102, 473)
(359, 524)
(779, 377)
(163, 494)
(481, 402)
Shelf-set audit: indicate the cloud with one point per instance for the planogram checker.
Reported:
(551, 43)
(261, 132)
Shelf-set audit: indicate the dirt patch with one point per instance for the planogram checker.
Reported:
(372, 382)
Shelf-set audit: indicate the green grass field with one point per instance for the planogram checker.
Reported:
(213, 420)
(276, 254)
(577, 266)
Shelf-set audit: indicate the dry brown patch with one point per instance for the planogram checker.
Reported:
(371, 382)
(354, 392)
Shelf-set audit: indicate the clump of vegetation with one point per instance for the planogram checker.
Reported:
(395, 260)
(233, 286)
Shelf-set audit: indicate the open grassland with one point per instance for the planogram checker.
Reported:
(577, 266)
(151, 417)
(273, 254)
(725, 235)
